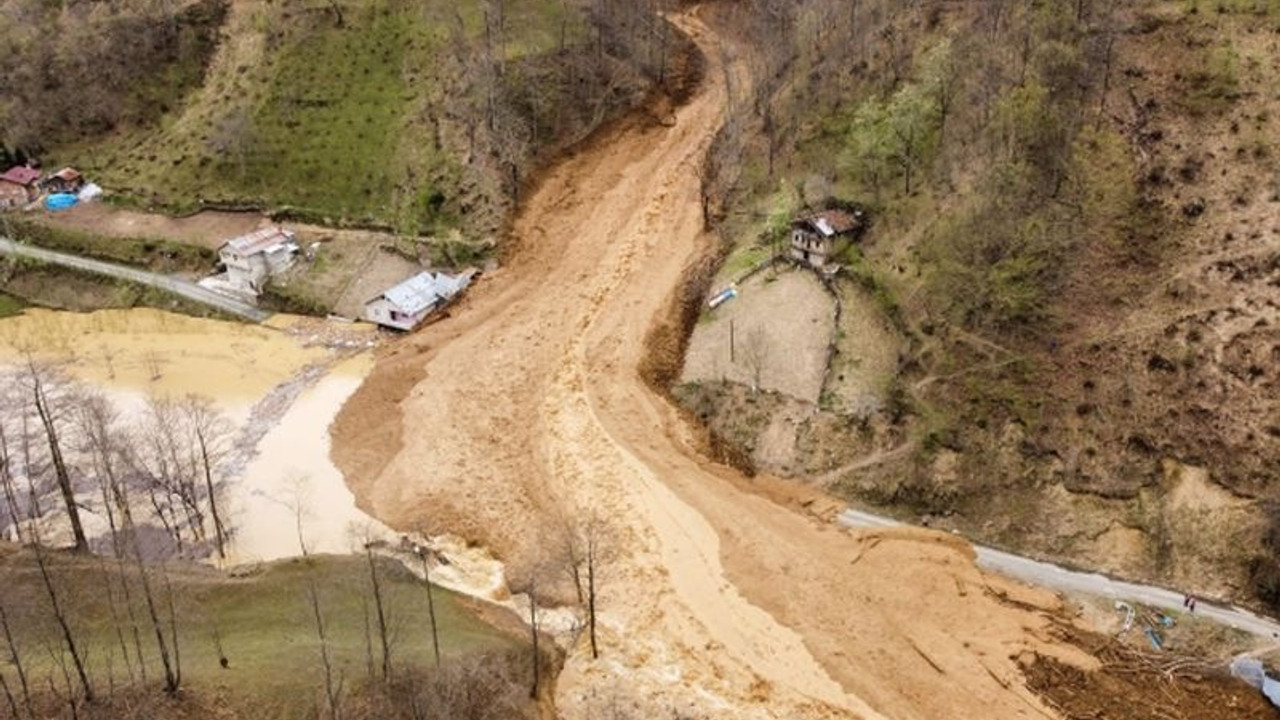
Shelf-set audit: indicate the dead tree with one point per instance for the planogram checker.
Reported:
(60, 615)
(210, 431)
(38, 383)
(173, 630)
(172, 679)
(10, 700)
(384, 633)
(15, 659)
(593, 564)
(332, 689)
(115, 616)
(431, 602)
(584, 548)
(533, 634)
(7, 484)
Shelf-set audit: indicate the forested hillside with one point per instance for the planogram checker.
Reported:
(1073, 234)
(416, 117)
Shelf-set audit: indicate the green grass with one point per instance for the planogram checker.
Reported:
(161, 255)
(328, 133)
(264, 622)
(334, 125)
(10, 306)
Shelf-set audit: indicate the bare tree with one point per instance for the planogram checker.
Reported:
(60, 615)
(379, 604)
(172, 677)
(332, 687)
(15, 659)
(48, 392)
(422, 552)
(8, 696)
(211, 432)
(533, 634)
(7, 485)
(584, 548)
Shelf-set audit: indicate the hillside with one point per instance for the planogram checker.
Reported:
(246, 644)
(422, 119)
(1071, 253)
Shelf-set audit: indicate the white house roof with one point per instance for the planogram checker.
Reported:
(415, 294)
(423, 290)
(258, 241)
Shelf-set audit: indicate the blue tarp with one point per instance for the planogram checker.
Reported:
(60, 201)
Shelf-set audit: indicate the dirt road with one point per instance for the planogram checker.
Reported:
(528, 405)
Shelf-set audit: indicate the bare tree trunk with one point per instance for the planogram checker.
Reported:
(115, 616)
(171, 679)
(59, 464)
(592, 548)
(431, 603)
(368, 639)
(173, 629)
(383, 631)
(60, 615)
(533, 633)
(16, 659)
(332, 690)
(219, 531)
(6, 485)
(8, 696)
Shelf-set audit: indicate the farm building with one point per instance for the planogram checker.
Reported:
(409, 303)
(66, 180)
(18, 186)
(252, 259)
(816, 239)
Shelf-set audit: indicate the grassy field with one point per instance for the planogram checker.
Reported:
(10, 306)
(263, 622)
(332, 122)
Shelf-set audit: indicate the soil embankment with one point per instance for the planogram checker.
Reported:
(529, 404)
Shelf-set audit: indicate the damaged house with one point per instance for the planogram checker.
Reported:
(821, 237)
(409, 303)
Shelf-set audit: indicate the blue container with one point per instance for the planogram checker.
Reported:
(60, 201)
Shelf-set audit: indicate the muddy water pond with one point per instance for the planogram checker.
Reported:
(279, 385)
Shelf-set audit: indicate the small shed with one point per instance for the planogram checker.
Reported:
(18, 186)
(817, 238)
(252, 259)
(66, 180)
(406, 305)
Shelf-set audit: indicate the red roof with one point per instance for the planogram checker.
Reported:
(21, 175)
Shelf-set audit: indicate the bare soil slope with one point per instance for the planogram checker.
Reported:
(530, 403)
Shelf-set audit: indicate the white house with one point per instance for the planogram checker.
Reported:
(252, 259)
(409, 303)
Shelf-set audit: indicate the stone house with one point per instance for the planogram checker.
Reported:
(819, 238)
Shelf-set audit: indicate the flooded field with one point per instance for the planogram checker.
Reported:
(276, 388)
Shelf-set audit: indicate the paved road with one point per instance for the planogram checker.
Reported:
(1048, 575)
(188, 290)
